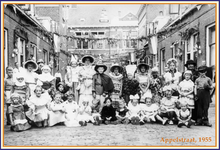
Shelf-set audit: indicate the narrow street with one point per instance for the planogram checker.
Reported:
(112, 135)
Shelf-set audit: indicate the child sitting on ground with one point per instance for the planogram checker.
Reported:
(168, 105)
(57, 111)
(184, 116)
(71, 109)
(122, 113)
(96, 116)
(85, 113)
(17, 115)
(38, 107)
(149, 112)
(134, 110)
(108, 113)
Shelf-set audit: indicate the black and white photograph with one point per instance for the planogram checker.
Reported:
(109, 74)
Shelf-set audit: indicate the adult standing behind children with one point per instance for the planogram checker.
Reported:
(40, 64)
(85, 77)
(102, 86)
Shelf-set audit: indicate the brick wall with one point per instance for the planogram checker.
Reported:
(11, 21)
(205, 16)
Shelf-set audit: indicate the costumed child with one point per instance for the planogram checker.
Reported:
(186, 89)
(22, 89)
(168, 105)
(108, 113)
(122, 113)
(63, 89)
(156, 86)
(149, 112)
(38, 107)
(203, 85)
(56, 111)
(72, 77)
(97, 117)
(85, 113)
(46, 80)
(8, 83)
(30, 75)
(102, 86)
(134, 110)
(16, 113)
(144, 81)
(184, 116)
(71, 109)
(116, 76)
(130, 86)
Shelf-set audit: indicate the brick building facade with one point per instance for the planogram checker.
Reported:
(24, 38)
(190, 36)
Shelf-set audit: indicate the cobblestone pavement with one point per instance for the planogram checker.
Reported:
(111, 135)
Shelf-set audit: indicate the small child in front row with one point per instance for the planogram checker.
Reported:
(17, 115)
(149, 112)
(122, 113)
(184, 116)
(168, 105)
(71, 110)
(85, 113)
(108, 113)
(57, 111)
(96, 116)
(134, 110)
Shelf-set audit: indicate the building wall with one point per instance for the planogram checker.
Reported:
(205, 16)
(11, 21)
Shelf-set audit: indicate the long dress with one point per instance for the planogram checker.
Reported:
(56, 115)
(86, 74)
(85, 114)
(31, 80)
(38, 107)
(18, 117)
(72, 79)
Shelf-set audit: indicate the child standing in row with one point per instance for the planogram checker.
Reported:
(8, 83)
(203, 84)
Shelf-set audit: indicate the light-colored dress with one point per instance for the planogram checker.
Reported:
(185, 87)
(134, 111)
(85, 114)
(173, 81)
(149, 112)
(168, 105)
(144, 82)
(86, 73)
(56, 115)
(31, 80)
(18, 117)
(38, 110)
(71, 110)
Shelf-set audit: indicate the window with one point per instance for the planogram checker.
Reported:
(45, 56)
(5, 49)
(191, 50)
(33, 51)
(174, 8)
(21, 51)
(162, 59)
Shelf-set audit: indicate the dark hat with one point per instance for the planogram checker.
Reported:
(60, 83)
(87, 56)
(202, 68)
(100, 65)
(190, 62)
(141, 65)
(40, 61)
(31, 62)
(120, 69)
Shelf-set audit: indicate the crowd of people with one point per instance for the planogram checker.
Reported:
(87, 94)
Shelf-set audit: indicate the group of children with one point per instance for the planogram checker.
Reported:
(116, 100)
